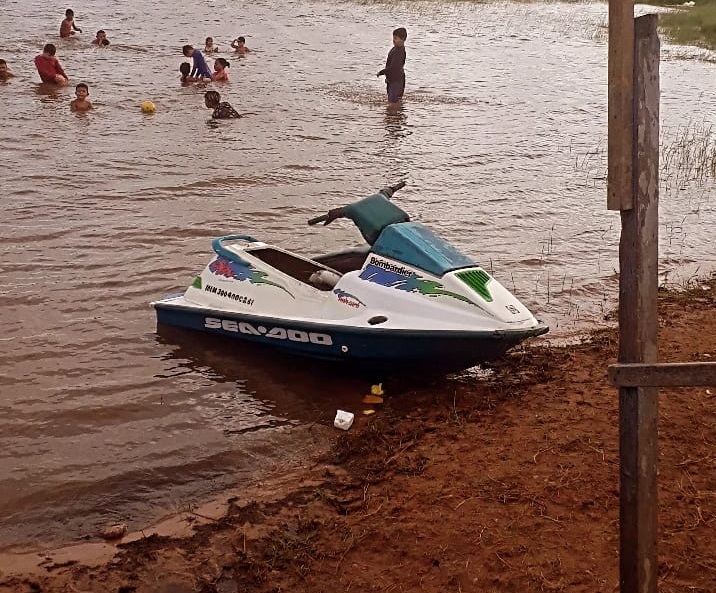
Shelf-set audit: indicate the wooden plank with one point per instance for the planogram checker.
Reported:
(638, 245)
(673, 374)
(620, 138)
(638, 254)
(638, 504)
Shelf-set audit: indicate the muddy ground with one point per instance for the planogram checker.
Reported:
(506, 483)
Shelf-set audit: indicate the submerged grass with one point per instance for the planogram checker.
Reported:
(690, 155)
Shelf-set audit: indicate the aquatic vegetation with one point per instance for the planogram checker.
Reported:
(688, 154)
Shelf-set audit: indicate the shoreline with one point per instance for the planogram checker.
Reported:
(503, 483)
(175, 526)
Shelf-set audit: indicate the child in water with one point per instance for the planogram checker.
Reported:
(49, 67)
(222, 110)
(220, 70)
(185, 68)
(81, 103)
(239, 45)
(394, 73)
(68, 26)
(200, 68)
(101, 39)
(209, 47)
(5, 74)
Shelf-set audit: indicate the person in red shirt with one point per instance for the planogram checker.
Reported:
(49, 67)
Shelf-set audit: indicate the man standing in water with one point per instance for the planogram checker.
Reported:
(394, 73)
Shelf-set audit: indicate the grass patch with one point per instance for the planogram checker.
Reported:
(689, 25)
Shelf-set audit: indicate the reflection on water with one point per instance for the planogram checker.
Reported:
(396, 122)
(501, 140)
(303, 390)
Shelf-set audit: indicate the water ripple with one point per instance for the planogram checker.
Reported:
(502, 142)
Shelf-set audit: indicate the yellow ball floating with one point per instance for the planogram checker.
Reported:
(148, 107)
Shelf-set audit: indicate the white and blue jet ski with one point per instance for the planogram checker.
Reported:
(408, 298)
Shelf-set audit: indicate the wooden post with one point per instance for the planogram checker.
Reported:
(638, 321)
(621, 99)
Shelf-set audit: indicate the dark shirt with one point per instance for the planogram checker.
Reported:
(199, 65)
(225, 111)
(394, 65)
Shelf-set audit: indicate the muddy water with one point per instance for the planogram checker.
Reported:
(501, 139)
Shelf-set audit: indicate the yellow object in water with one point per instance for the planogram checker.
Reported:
(148, 107)
(377, 389)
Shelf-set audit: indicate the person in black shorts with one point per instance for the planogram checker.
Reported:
(394, 73)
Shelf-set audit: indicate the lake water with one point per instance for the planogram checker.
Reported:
(501, 138)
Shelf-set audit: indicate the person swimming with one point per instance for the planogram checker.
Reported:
(200, 68)
(68, 26)
(209, 47)
(81, 103)
(239, 45)
(101, 39)
(222, 110)
(5, 73)
(185, 69)
(220, 70)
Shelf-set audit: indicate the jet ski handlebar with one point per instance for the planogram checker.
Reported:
(334, 213)
(391, 189)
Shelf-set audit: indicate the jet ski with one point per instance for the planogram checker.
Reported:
(408, 298)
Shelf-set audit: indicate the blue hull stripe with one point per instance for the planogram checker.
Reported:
(454, 349)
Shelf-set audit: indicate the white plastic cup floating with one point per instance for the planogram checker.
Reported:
(344, 420)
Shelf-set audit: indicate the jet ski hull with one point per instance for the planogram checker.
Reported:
(370, 346)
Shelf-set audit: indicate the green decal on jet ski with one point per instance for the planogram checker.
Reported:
(258, 277)
(197, 282)
(477, 280)
(433, 288)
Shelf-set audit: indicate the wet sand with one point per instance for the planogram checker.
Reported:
(500, 483)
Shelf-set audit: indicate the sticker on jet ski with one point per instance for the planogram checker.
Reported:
(393, 276)
(348, 299)
(276, 333)
(232, 296)
(232, 269)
